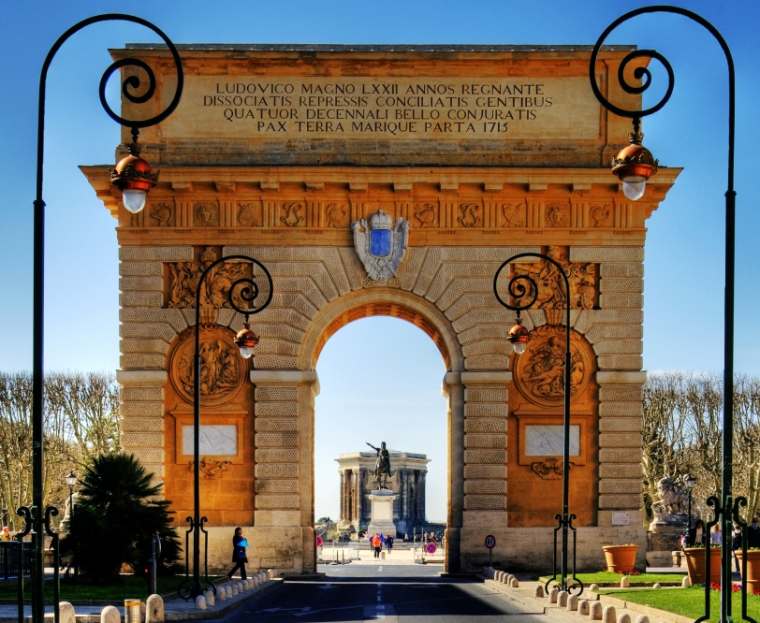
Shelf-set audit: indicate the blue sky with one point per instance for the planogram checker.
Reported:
(684, 251)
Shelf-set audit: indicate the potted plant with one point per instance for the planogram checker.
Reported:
(753, 568)
(695, 564)
(620, 558)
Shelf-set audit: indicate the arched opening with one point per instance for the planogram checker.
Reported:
(380, 380)
(392, 370)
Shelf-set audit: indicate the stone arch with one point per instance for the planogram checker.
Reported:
(423, 314)
(380, 301)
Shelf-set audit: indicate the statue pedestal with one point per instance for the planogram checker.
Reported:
(662, 539)
(381, 513)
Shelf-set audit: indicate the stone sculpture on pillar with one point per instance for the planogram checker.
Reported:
(382, 499)
(382, 465)
(670, 522)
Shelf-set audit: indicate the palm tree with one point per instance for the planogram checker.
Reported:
(117, 513)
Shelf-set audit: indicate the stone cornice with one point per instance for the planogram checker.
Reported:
(483, 206)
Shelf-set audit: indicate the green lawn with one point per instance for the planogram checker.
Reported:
(78, 592)
(607, 578)
(688, 601)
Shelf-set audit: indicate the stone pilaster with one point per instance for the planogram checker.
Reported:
(142, 416)
(485, 456)
(284, 516)
(453, 388)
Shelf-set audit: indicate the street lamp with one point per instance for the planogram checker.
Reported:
(725, 507)
(242, 295)
(132, 176)
(523, 291)
(690, 482)
(71, 481)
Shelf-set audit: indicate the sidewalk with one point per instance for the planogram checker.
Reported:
(569, 612)
(176, 609)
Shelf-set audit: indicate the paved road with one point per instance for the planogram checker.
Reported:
(409, 594)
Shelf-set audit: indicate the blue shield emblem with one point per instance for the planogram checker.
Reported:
(380, 242)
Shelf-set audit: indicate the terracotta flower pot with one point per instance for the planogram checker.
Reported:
(620, 558)
(753, 570)
(695, 563)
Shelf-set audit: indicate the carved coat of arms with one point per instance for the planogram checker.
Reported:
(380, 244)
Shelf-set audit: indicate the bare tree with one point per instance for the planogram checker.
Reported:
(80, 420)
(682, 435)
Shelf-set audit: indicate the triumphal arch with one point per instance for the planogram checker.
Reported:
(393, 181)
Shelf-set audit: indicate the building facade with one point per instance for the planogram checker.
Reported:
(484, 152)
(357, 479)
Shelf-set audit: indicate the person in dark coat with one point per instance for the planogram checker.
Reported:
(239, 543)
(753, 533)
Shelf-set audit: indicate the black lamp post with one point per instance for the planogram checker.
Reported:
(523, 291)
(241, 296)
(71, 481)
(690, 482)
(633, 165)
(134, 178)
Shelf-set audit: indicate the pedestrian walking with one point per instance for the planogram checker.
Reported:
(377, 544)
(716, 536)
(389, 543)
(239, 544)
(736, 544)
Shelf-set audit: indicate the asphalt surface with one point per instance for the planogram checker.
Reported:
(407, 593)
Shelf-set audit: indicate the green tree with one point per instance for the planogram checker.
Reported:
(117, 513)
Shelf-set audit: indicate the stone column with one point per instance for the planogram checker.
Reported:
(284, 456)
(404, 491)
(342, 495)
(360, 494)
(355, 497)
(421, 498)
(453, 388)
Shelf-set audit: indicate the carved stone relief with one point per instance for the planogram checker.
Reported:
(470, 214)
(426, 214)
(222, 369)
(513, 214)
(181, 279)
(336, 214)
(539, 372)
(583, 278)
(292, 213)
(206, 214)
(162, 214)
(557, 214)
(600, 215)
(249, 213)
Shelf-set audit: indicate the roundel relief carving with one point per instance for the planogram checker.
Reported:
(222, 369)
(538, 373)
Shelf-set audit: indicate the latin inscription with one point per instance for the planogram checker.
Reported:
(372, 108)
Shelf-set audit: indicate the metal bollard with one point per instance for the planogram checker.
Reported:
(132, 611)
